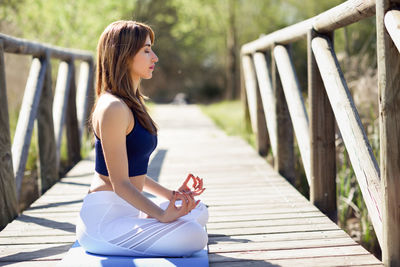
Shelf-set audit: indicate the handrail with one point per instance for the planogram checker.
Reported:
(69, 107)
(330, 99)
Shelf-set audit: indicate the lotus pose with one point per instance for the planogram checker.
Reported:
(116, 218)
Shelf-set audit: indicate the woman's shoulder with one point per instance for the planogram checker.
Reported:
(111, 111)
(110, 105)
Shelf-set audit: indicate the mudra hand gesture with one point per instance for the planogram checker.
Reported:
(194, 189)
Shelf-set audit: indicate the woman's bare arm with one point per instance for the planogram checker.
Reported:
(157, 189)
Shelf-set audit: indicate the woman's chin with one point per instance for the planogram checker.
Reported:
(149, 76)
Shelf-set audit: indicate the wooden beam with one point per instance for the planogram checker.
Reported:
(267, 97)
(251, 90)
(84, 95)
(22, 46)
(389, 121)
(392, 23)
(243, 97)
(344, 14)
(351, 128)
(26, 118)
(284, 160)
(295, 104)
(255, 107)
(60, 103)
(72, 127)
(48, 164)
(8, 199)
(322, 143)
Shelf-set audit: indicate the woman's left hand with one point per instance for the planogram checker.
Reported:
(195, 189)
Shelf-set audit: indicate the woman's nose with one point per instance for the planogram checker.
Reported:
(155, 58)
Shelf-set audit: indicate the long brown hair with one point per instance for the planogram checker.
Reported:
(117, 46)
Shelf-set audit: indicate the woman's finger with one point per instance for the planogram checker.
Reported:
(200, 183)
(182, 198)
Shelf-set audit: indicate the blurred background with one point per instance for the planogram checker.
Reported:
(198, 44)
(197, 41)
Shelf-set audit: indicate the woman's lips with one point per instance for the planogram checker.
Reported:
(152, 67)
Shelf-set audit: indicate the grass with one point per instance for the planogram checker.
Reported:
(229, 116)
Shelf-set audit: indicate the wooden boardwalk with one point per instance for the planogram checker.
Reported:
(256, 217)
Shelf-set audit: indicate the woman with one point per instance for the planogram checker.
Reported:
(116, 218)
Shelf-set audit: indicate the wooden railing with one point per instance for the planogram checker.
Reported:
(69, 106)
(276, 109)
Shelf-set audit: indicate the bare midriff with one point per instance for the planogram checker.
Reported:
(102, 183)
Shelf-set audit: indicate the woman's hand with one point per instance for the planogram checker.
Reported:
(173, 212)
(195, 189)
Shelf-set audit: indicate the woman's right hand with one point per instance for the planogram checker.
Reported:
(173, 212)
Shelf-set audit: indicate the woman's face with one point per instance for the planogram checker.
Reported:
(144, 62)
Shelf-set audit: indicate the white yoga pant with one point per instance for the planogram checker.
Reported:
(109, 225)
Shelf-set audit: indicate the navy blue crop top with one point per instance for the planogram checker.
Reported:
(140, 143)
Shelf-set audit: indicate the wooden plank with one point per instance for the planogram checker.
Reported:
(275, 245)
(8, 200)
(60, 103)
(258, 216)
(272, 229)
(295, 104)
(310, 235)
(392, 23)
(33, 263)
(264, 223)
(48, 164)
(51, 239)
(389, 121)
(354, 137)
(288, 254)
(267, 97)
(349, 260)
(27, 115)
(33, 252)
(284, 160)
(322, 140)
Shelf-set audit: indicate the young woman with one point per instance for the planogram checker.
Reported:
(116, 218)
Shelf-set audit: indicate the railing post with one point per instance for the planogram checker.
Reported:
(322, 140)
(267, 96)
(243, 97)
(389, 121)
(8, 199)
(84, 95)
(284, 160)
(73, 141)
(26, 118)
(60, 103)
(48, 165)
(295, 103)
(256, 110)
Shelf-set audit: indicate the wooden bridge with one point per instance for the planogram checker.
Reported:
(256, 216)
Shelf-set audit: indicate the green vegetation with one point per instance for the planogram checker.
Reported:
(229, 116)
